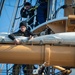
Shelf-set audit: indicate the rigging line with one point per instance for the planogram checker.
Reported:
(53, 8)
(48, 10)
(37, 3)
(1, 6)
(53, 5)
(21, 4)
(17, 18)
(62, 7)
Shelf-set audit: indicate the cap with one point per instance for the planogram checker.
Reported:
(27, 3)
(23, 23)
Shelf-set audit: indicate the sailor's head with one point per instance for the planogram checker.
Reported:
(27, 5)
(23, 26)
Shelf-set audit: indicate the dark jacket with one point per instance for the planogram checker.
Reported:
(24, 13)
(20, 33)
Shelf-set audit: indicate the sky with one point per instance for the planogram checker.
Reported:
(5, 17)
(7, 14)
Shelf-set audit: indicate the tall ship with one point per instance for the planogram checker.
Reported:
(52, 49)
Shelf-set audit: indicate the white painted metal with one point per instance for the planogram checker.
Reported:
(66, 38)
(5, 39)
(49, 21)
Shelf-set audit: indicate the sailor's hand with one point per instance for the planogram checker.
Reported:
(30, 37)
(16, 41)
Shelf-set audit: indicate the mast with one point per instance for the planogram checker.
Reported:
(68, 10)
(51, 9)
(48, 10)
(1, 5)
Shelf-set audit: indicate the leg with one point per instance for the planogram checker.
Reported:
(16, 69)
(27, 69)
(42, 12)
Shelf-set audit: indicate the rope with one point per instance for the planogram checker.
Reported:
(1, 5)
(53, 8)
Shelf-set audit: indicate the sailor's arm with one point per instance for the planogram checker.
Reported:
(12, 37)
(31, 35)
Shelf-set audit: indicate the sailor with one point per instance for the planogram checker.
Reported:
(21, 32)
(28, 12)
(42, 11)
